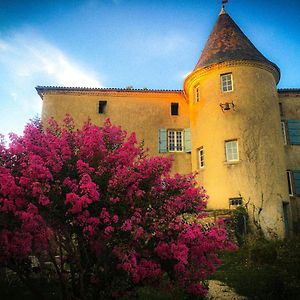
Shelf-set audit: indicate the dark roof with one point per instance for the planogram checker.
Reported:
(227, 42)
(289, 90)
(43, 89)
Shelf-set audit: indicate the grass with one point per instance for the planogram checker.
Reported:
(263, 269)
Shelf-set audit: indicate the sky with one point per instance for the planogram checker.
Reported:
(120, 43)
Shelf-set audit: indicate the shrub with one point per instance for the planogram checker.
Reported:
(93, 212)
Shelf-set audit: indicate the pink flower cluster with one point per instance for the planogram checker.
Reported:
(114, 211)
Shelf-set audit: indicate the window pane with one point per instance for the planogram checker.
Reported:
(231, 150)
(179, 141)
(201, 157)
(175, 140)
(174, 109)
(171, 140)
(226, 82)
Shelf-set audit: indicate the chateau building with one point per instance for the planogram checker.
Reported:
(229, 123)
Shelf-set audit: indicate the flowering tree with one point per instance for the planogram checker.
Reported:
(105, 217)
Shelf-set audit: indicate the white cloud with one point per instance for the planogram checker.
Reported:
(28, 60)
(183, 75)
(29, 55)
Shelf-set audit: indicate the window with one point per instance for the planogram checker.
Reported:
(283, 132)
(200, 157)
(101, 108)
(231, 150)
(174, 109)
(197, 94)
(226, 82)
(235, 201)
(175, 140)
(280, 109)
(290, 182)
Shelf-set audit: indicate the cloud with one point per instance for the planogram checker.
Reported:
(28, 60)
(29, 55)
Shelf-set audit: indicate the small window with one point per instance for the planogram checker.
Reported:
(231, 150)
(197, 94)
(283, 131)
(200, 157)
(174, 109)
(226, 83)
(235, 201)
(175, 140)
(290, 182)
(280, 109)
(102, 105)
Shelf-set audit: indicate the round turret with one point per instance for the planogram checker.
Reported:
(237, 145)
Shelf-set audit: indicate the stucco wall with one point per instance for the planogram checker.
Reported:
(259, 176)
(140, 112)
(290, 103)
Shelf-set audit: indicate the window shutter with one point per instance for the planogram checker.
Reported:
(162, 140)
(296, 175)
(187, 140)
(294, 132)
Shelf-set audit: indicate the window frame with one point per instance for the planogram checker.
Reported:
(227, 142)
(174, 109)
(102, 104)
(283, 131)
(176, 132)
(225, 83)
(197, 94)
(200, 155)
(290, 181)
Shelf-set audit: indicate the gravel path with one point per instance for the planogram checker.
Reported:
(220, 291)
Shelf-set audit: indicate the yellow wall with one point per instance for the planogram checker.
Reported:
(291, 111)
(259, 175)
(140, 112)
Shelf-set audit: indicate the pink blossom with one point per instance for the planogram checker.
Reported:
(126, 226)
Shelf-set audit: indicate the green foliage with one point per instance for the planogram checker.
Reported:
(263, 269)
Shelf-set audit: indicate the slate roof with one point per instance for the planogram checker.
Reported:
(42, 89)
(227, 42)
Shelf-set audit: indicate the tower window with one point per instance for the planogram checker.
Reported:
(226, 82)
(101, 108)
(197, 94)
(174, 109)
(175, 140)
(231, 150)
(200, 157)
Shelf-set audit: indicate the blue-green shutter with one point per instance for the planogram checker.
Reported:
(187, 140)
(162, 140)
(296, 175)
(294, 131)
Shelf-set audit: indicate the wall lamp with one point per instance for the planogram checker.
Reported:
(227, 106)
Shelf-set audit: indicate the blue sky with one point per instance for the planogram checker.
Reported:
(117, 43)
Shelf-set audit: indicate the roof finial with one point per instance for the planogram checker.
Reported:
(223, 7)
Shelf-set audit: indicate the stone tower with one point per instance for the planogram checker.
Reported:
(236, 139)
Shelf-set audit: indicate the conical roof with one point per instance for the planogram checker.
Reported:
(227, 42)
